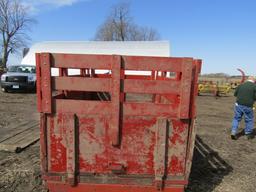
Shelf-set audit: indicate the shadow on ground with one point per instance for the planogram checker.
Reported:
(208, 168)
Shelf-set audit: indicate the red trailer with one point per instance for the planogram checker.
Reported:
(116, 132)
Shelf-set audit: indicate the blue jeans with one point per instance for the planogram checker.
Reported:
(241, 110)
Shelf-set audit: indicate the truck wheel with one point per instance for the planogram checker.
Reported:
(4, 90)
(34, 88)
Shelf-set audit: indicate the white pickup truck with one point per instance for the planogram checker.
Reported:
(19, 77)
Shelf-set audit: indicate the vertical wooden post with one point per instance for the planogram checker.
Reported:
(160, 153)
(46, 83)
(116, 101)
(186, 80)
(71, 140)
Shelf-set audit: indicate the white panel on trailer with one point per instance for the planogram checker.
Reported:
(131, 48)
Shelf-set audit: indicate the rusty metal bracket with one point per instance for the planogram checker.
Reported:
(160, 153)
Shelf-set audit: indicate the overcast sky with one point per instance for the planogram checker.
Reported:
(221, 32)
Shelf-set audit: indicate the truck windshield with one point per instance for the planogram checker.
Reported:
(22, 69)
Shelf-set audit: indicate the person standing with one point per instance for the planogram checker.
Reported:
(245, 96)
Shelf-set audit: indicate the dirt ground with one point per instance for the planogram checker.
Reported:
(18, 172)
(219, 165)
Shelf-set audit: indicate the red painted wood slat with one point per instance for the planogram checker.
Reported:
(81, 84)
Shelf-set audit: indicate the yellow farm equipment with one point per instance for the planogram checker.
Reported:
(218, 87)
(213, 88)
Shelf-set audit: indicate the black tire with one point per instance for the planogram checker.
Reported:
(34, 88)
(4, 90)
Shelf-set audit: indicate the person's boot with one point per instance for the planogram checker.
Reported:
(250, 136)
(234, 137)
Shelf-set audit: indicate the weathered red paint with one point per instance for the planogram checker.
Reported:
(38, 84)
(43, 143)
(57, 187)
(45, 84)
(114, 128)
(139, 140)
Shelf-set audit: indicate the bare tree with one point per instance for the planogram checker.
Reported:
(119, 26)
(14, 25)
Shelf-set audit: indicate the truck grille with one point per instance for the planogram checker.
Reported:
(20, 79)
